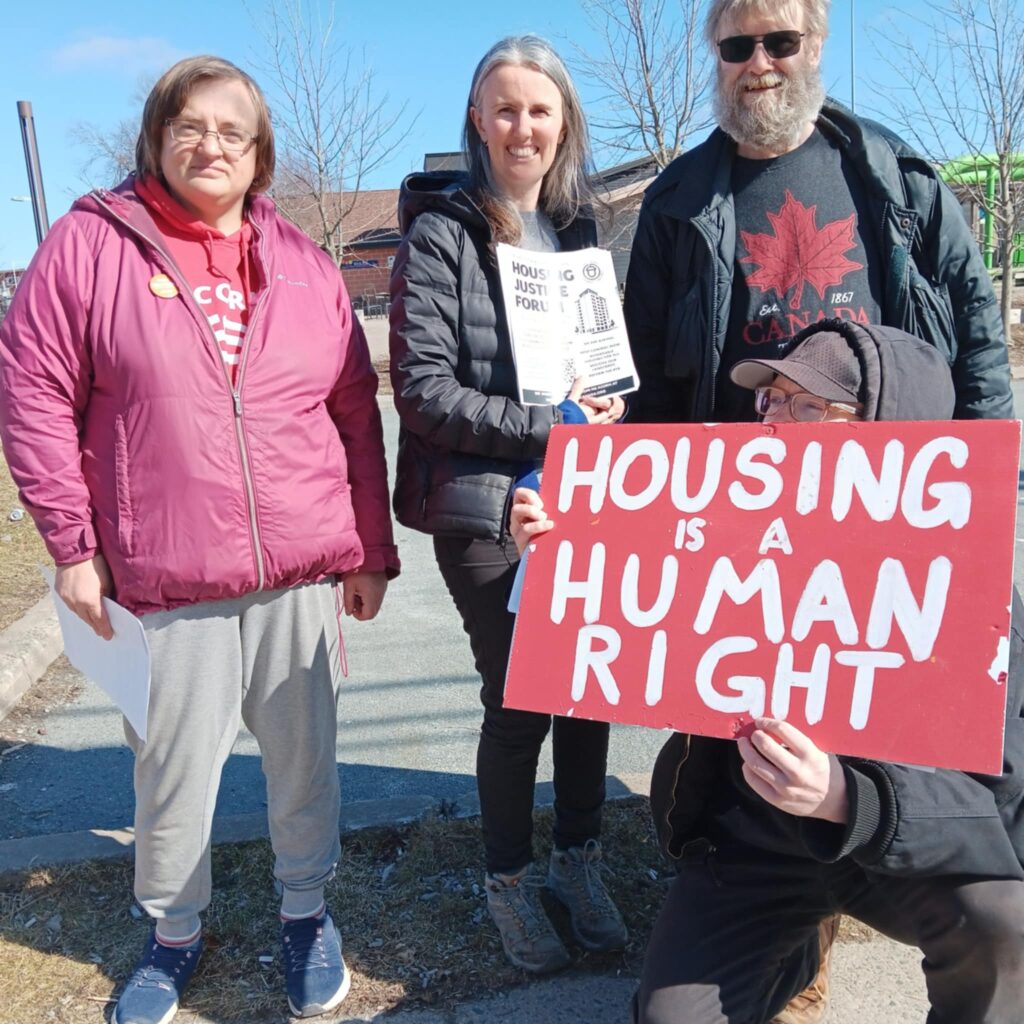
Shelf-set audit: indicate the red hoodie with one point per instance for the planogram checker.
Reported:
(218, 267)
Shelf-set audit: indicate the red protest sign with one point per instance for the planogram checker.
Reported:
(854, 578)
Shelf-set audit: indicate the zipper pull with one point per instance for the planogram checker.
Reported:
(238, 402)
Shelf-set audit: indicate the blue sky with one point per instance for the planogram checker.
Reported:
(83, 61)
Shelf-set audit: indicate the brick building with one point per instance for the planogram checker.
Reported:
(9, 279)
(369, 231)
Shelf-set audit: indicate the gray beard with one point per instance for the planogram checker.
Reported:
(777, 120)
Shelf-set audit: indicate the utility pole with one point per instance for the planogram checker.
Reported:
(853, 57)
(35, 174)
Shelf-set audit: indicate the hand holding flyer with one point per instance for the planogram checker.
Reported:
(565, 321)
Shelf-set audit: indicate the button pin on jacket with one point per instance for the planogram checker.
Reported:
(162, 286)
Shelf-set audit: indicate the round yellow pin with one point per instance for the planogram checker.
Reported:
(162, 286)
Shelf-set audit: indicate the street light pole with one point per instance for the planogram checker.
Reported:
(35, 174)
(853, 57)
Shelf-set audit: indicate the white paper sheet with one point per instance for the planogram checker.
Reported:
(120, 667)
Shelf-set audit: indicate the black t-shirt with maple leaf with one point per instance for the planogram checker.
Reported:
(801, 257)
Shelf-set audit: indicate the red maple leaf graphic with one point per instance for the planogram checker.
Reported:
(798, 253)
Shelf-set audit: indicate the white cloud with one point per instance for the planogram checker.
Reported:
(125, 56)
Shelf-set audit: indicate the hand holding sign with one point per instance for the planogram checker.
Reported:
(784, 767)
(528, 518)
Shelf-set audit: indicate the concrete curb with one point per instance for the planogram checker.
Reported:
(27, 649)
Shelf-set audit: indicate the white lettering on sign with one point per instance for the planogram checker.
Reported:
(763, 580)
(895, 601)
(681, 496)
(865, 663)
(747, 464)
(589, 659)
(630, 594)
(776, 537)
(859, 615)
(748, 691)
(825, 600)
(952, 499)
(589, 590)
(756, 484)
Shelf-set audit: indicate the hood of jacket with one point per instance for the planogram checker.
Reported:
(126, 204)
(902, 377)
(444, 191)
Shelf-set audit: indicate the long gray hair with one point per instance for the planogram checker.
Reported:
(566, 188)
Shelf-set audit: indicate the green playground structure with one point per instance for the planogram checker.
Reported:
(984, 170)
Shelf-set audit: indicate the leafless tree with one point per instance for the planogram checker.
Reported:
(333, 127)
(110, 153)
(962, 97)
(655, 72)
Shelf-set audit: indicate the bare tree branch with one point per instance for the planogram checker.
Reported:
(962, 98)
(110, 152)
(333, 127)
(655, 73)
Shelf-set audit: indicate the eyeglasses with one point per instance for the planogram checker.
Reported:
(778, 46)
(231, 140)
(803, 407)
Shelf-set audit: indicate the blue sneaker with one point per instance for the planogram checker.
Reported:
(315, 974)
(161, 974)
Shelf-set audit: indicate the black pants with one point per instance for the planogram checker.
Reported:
(479, 576)
(737, 937)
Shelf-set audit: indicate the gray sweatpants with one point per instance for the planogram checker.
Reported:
(270, 660)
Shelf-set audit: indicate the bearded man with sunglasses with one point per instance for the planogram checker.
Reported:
(794, 211)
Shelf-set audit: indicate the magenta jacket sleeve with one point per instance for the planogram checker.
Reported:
(352, 405)
(45, 374)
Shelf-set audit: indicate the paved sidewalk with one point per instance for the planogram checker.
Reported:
(873, 983)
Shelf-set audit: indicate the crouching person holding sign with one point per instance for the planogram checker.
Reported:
(773, 836)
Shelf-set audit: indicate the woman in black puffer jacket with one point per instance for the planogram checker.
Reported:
(465, 438)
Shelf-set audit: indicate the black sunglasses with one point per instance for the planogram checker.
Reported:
(778, 46)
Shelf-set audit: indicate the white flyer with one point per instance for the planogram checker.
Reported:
(120, 667)
(565, 320)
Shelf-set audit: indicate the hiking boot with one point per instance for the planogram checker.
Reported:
(529, 940)
(810, 1006)
(574, 877)
(152, 993)
(315, 974)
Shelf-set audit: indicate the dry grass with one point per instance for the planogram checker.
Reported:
(409, 903)
(21, 551)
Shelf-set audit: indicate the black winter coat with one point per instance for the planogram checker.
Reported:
(679, 286)
(464, 435)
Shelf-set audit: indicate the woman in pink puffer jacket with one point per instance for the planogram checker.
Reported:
(188, 408)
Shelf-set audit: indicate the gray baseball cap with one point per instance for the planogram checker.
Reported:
(824, 365)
